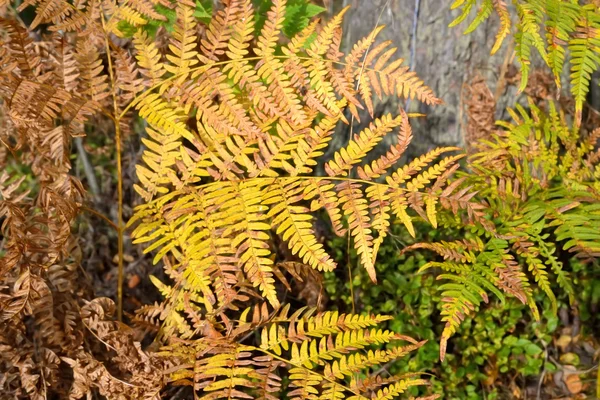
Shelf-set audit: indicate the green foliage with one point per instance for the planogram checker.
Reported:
(540, 182)
(497, 345)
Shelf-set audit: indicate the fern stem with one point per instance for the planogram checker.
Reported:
(120, 227)
(102, 216)
(275, 356)
(328, 178)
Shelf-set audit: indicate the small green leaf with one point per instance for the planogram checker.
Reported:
(533, 349)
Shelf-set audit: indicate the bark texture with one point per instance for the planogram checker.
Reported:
(443, 57)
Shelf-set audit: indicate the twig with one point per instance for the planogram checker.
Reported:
(102, 216)
(88, 169)
(120, 226)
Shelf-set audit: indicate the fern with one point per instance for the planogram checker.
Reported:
(319, 355)
(258, 183)
(236, 127)
(541, 183)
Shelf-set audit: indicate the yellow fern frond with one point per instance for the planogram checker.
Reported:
(163, 117)
(331, 322)
(246, 220)
(355, 207)
(236, 128)
(182, 44)
(433, 172)
(505, 24)
(126, 13)
(292, 222)
(399, 207)
(325, 198)
(309, 149)
(404, 173)
(398, 388)
(360, 145)
(379, 203)
(148, 57)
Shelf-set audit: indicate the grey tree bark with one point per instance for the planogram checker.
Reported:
(443, 57)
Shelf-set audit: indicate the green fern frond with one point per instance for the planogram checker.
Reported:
(533, 177)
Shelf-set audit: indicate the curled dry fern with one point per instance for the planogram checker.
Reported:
(551, 27)
(541, 182)
(54, 343)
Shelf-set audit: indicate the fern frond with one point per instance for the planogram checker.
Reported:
(483, 13)
(398, 388)
(292, 221)
(128, 14)
(48, 11)
(272, 69)
(360, 145)
(246, 220)
(379, 203)
(328, 365)
(325, 198)
(309, 149)
(163, 116)
(528, 36)
(236, 126)
(386, 161)
(148, 58)
(183, 56)
(562, 18)
(220, 31)
(20, 48)
(466, 6)
(93, 83)
(584, 60)
(355, 207)
(403, 174)
(505, 24)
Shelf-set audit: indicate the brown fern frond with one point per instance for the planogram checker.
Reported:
(93, 82)
(20, 48)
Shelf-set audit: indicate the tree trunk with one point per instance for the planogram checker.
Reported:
(443, 57)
